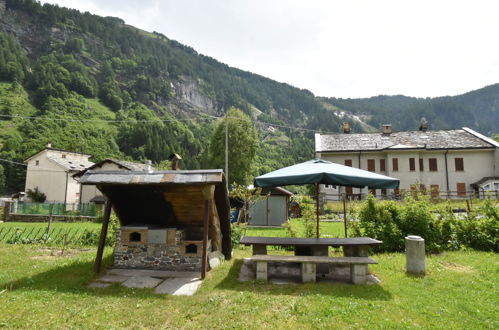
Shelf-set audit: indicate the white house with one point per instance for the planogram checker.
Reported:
(456, 162)
(51, 170)
(90, 193)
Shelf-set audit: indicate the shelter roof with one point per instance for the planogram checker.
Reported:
(155, 178)
(464, 138)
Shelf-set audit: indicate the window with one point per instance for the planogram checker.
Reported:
(37, 162)
(371, 165)
(395, 164)
(422, 188)
(459, 162)
(435, 190)
(191, 249)
(382, 166)
(135, 237)
(412, 164)
(348, 162)
(372, 191)
(349, 190)
(461, 189)
(63, 156)
(383, 192)
(421, 165)
(433, 164)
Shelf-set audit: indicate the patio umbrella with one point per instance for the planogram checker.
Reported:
(318, 171)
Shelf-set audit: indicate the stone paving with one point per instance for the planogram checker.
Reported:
(163, 282)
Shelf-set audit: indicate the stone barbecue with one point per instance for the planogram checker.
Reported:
(152, 247)
(170, 220)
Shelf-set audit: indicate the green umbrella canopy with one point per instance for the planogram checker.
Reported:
(324, 172)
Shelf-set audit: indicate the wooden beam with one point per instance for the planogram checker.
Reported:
(102, 239)
(208, 197)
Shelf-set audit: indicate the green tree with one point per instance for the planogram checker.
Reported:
(242, 143)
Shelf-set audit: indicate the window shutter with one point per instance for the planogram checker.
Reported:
(348, 162)
(412, 164)
(433, 164)
(395, 164)
(371, 165)
(382, 166)
(459, 162)
(421, 165)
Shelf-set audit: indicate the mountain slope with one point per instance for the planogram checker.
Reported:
(477, 109)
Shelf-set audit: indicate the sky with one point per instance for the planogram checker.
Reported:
(354, 48)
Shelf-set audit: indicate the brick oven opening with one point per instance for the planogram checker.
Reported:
(135, 237)
(191, 248)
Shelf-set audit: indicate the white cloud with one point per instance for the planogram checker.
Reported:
(333, 48)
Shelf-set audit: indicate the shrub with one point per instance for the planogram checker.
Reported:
(237, 231)
(392, 222)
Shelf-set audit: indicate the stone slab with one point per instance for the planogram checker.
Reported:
(98, 285)
(113, 278)
(152, 273)
(141, 282)
(179, 286)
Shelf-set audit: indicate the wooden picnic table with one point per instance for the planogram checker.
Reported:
(352, 246)
(314, 254)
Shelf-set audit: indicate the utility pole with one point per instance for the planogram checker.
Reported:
(227, 151)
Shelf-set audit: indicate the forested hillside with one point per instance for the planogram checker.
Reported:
(97, 85)
(478, 110)
(94, 84)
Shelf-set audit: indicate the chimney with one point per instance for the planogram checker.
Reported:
(387, 129)
(346, 128)
(149, 167)
(175, 159)
(424, 125)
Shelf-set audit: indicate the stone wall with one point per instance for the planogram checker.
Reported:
(156, 256)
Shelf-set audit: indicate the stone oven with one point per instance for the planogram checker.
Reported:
(170, 220)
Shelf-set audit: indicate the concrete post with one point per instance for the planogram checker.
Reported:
(415, 255)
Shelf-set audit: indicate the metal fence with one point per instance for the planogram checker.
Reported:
(88, 209)
(454, 195)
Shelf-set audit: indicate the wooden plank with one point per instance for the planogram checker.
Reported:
(313, 259)
(102, 239)
(208, 196)
(295, 241)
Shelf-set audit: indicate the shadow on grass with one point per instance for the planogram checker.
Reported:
(73, 278)
(367, 292)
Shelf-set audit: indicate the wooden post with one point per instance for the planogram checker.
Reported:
(207, 195)
(317, 207)
(102, 239)
(51, 211)
(345, 213)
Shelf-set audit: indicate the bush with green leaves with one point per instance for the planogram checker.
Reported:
(391, 222)
(237, 231)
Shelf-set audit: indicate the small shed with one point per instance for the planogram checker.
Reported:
(170, 220)
(271, 211)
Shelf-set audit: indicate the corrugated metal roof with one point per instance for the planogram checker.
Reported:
(161, 177)
(439, 139)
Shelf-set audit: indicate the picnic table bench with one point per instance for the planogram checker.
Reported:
(312, 251)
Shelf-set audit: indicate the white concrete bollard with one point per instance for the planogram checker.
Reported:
(415, 255)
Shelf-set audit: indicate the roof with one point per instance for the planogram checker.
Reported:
(71, 164)
(131, 166)
(277, 191)
(154, 178)
(55, 149)
(463, 138)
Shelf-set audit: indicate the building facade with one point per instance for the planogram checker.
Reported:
(51, 170)
(448, 163)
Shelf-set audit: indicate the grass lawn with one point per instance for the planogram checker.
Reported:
(55, 225)
(327, 229)
(38, 290)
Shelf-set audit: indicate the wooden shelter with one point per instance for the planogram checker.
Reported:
(273, 210)
(170, 220)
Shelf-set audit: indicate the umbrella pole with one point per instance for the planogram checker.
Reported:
(317, 206)
(345, 213)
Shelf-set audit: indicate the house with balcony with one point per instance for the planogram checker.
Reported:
(456, 163)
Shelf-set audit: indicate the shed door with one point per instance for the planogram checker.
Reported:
(277, 210)
(258, 213)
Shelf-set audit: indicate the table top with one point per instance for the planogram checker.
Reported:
(285, 241)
